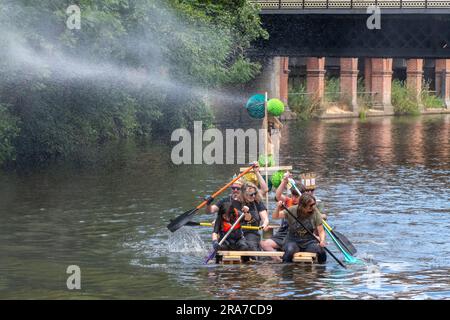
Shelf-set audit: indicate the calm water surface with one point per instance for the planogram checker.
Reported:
(385, 183)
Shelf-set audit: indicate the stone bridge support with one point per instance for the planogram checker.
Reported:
(414, 76)
(378, 72)
(349, 83)
(442, 71)
(315, 78)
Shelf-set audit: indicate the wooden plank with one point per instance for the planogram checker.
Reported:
(305, 255)
(270, 169)
(303, 260)
(298, 255)
(251, 253)
(231, 260)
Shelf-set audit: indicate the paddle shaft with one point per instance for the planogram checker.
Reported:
(325, 224)
(231, 229)
(201, 205)
(347, 256)
(209, 224)
(312, 234)
(184, 218)
(214, 252)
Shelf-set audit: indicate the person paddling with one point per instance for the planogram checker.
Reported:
(276, 242)
(225, 201)
(251, 204)
(235, 240)
(298, 239)
(235, 191)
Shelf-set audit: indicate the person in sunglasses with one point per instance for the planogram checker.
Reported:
(298, 239)
(235, 189)
(223, 204)
(276, 242)
(250, 203)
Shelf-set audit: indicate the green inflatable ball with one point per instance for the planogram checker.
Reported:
(276, 178)
(255, 106)
(275, 107)
(262, 161)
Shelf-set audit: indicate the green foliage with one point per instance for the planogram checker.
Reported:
(304, 105)
(364, 99)
(172, 47)
(332, 89)
(430, 100)
(403, 99)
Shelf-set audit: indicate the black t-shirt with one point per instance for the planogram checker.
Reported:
(255, 208)
(223, 205)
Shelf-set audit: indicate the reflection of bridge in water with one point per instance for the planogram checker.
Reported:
(313, 39)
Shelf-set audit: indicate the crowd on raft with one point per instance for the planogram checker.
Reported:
(297, 210)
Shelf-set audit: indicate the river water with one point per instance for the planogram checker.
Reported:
(385, 183)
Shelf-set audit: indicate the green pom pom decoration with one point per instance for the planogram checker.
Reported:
(276, 178)
(262, 161)
(275, 107)
(255, 106)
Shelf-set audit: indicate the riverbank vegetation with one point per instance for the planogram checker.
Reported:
(133, 69)
(403, 99)
(305, 105)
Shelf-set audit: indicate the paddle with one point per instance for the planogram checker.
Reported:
(312, 234)
(209, 224)
(181, 220)
(342, 239)
(339, 236)
(347, 257)
(214, 251)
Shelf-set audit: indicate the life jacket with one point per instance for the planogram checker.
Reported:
(227, 225)
(289, 202)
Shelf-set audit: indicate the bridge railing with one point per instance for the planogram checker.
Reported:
(351, 4)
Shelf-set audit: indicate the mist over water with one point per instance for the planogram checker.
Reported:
(51, 56)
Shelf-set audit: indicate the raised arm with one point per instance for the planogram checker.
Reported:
(263, 188)
(279, 193)
(278, 212)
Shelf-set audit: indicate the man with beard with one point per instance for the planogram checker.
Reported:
(298, 239)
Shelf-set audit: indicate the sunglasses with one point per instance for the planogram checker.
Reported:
(251, 194)
(235, 188)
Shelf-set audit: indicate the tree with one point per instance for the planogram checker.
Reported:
(136, 67)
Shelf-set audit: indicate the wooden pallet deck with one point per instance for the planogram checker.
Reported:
(234, 257)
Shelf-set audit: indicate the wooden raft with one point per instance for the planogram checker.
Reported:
(234, 257)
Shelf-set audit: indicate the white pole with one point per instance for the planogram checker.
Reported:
(266, 131)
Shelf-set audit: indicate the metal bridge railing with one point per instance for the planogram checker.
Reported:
(351, 4)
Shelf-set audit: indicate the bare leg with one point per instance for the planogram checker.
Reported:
(270, 245)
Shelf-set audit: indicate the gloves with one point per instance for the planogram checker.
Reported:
(208, 199)
(216, 245)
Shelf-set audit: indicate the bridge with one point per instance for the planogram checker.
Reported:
(311, 33)
(352, 6)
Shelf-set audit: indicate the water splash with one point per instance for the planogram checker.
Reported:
(186, 240)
